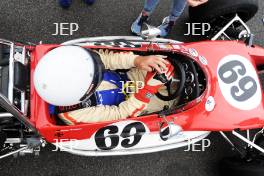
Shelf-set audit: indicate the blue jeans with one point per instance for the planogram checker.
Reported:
(176, 10)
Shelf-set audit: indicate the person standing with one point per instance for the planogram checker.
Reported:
(169, 21)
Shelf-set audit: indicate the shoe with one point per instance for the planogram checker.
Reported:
(65, 3)
(137, 25)
(89, 2)
(165, 26)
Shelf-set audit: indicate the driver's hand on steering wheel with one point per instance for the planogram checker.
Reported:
(158, 79)
(154, 81)
(152, 62)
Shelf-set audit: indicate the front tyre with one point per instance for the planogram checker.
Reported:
(215, 10)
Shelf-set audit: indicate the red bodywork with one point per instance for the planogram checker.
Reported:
(194, 117)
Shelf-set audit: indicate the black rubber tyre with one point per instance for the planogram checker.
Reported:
(236, 166)
(213, 9)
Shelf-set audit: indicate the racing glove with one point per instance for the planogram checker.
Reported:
(153, 82)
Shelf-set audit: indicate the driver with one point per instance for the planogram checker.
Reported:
(82, 82)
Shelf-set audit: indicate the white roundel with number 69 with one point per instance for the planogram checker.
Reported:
(239, 82)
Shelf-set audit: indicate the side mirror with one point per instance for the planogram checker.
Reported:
(169, 130)
(150, 32)
(243, 34)
(249, 40)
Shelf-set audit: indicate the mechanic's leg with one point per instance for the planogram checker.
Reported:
(167, 23)
(65, 3)
(149, 7)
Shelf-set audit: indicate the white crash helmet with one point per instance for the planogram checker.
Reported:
(67, 75)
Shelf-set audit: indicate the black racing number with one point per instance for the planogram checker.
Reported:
(137, 135)
(246, 87)
(228, 73)
(131, 134)
(100, 137)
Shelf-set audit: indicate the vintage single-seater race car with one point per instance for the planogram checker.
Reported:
(221, 85)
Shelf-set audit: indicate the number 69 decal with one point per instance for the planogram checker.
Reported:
(123, 134)
(238, 82)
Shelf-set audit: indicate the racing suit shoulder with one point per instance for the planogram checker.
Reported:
(117, 60)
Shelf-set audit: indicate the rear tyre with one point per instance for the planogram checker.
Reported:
(214, 9)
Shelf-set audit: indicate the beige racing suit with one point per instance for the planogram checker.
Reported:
(132, 107)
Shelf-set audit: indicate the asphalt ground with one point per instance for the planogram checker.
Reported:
(32, 21)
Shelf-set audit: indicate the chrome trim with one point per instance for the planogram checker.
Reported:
(6, 114)
(248, 136)
(8, 106)
(227, 139)
(174, 129)
(258, 133)
(230, 142)
(23, 94)
(6, 42)
(84, 41)
(14, 152)
(12, 59)
(13, 140)
(248, 141)
(136, 150)
(222, 31)
(22, 103)
(11, 74)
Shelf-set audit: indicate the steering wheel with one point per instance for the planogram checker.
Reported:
(176, 85)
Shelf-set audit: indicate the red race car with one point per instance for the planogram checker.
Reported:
(221, 85)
